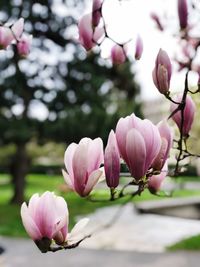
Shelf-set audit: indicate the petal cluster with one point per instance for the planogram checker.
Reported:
(45, 218)
(82, 162)
(162, 72)
(88, 36)
(139, 143)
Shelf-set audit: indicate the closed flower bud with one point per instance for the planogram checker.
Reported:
(155, 181)
(139, 48)
(188, 115)
(112, 161)
(156, 18)
(96, 12)
(162, 72)
(118, 54)
(183, 13)
(24, 45)
(166, 144)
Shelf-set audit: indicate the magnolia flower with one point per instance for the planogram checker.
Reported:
(24, 44)
(166, 144)
(112, 161)
(162, 72)
(155, 181)
(46, 219)
(139, 48)
(82, 162)
(188, 114)
(183, 13)
(87, 36)
(7, 35)
(118, 54)
(139, 143)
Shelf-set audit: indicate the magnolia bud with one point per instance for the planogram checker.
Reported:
(188, 115)
(118, 54)
(24, 44)
(112, 161)
(183, 13)
(162, 72)
(96, 12)
(139, 48)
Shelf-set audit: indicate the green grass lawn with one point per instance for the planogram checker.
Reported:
(10, 221)
(191, 243)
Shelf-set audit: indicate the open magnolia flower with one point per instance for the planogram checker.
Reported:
(46, 220)
(82, 162)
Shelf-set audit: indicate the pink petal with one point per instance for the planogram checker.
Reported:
(29, 223)
(68, 158)
(80, 165)
(95, 154)
(45, 217)
(152, 140)
(136, 153)
(67, 179)
(18, 28)
(92, 181)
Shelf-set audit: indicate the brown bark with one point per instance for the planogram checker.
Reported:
(19, 169)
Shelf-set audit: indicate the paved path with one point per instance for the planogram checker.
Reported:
(23, 253)
(136, 232)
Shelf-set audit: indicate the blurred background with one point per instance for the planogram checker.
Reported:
(60, 93)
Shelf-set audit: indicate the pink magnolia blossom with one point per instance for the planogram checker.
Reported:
(45, 218)
(7, 35)
(188, 114)
(139, 143)
(166, 144)
(24, 45)
(139, 48)
(183, 13)
(118, 54)
(112, 161)
(155, 181)
(82, 162)
(87, 36)
(162, 72)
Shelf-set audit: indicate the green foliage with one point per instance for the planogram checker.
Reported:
(191, 243)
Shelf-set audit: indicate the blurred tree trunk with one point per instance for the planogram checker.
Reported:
(19, 169)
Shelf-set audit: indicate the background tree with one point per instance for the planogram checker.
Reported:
(56, 93)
